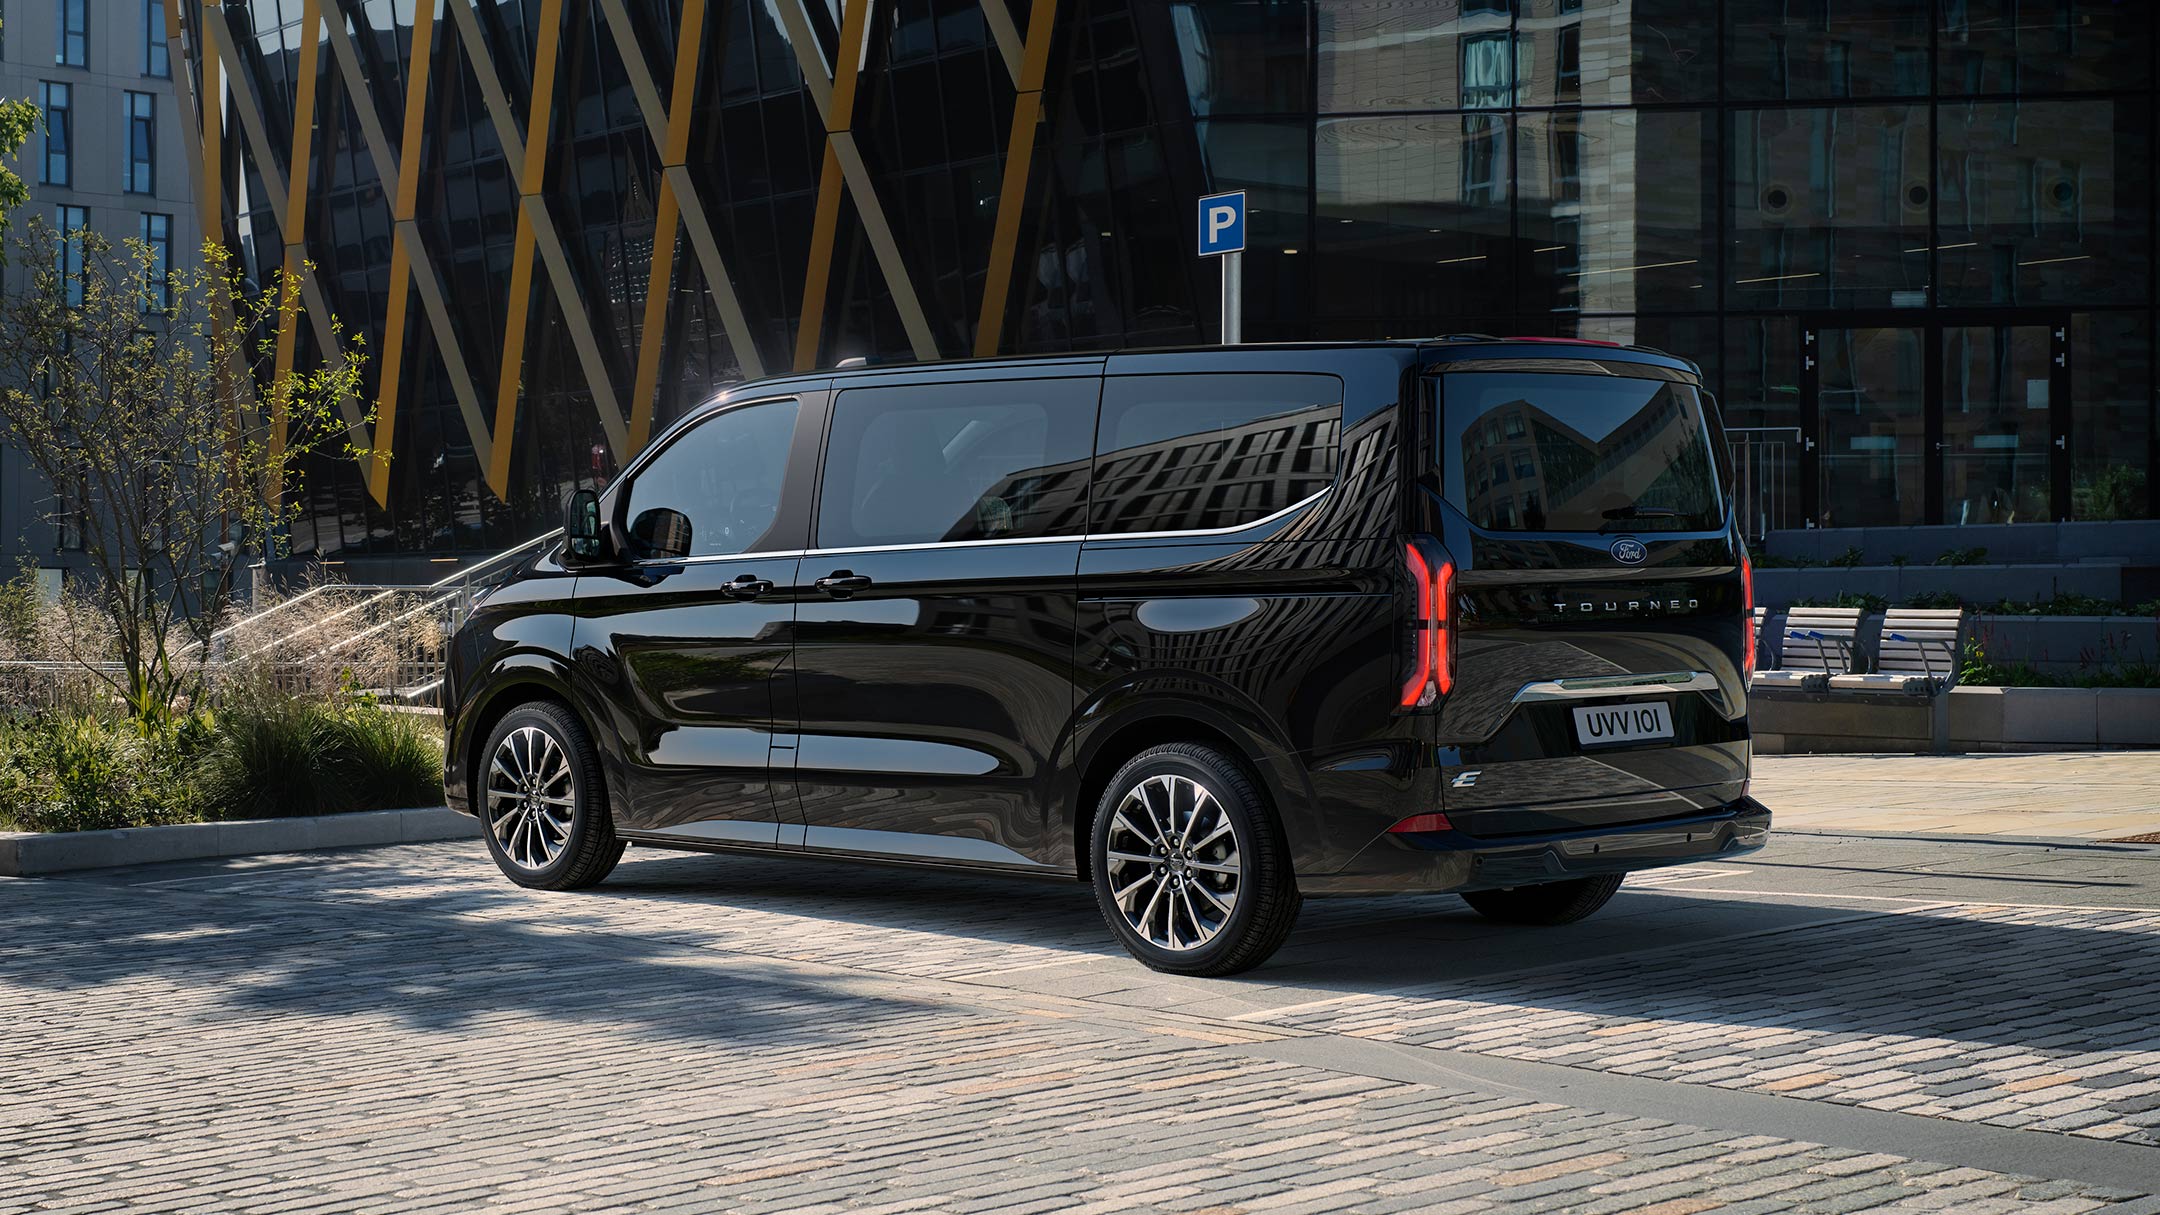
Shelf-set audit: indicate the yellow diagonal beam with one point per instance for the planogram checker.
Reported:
(1012, 196)
(294, 227)
(532, 174)
(659, 285)
(417, 68)
(825, 221)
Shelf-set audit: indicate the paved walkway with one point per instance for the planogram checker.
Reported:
(1834, 1024)
(2101, 795)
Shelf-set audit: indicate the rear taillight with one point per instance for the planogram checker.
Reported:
(1747, 612)
(1418, 824)
(1432, 641)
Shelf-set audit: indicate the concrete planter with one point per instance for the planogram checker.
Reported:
(2067, 645)
(1971, 719)
(24, 854)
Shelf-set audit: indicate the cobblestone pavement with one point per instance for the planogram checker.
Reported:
(1834, 1024)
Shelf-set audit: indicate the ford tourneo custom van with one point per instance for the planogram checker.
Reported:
(1212, 630)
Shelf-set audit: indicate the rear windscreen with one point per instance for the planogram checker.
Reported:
(1577, 453)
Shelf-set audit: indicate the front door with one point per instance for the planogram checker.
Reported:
(934, 629)
(683, 643)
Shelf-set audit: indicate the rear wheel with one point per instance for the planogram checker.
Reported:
(1190, 869)
(1547, 904)
(543, 803)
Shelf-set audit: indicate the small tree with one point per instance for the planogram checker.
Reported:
(17, 119)
(150, 403)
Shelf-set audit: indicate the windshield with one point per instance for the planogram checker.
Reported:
(1577, 453)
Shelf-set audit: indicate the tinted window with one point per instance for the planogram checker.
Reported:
(723, 475)
(922, 463)
(1577, 453)
(1191, 452)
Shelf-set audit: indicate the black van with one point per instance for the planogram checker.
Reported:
(1210, 629)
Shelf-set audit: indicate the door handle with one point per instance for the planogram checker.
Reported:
(842, 583)
(746, 586)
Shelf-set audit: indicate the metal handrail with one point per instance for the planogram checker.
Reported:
(462, 578)
(378, 627)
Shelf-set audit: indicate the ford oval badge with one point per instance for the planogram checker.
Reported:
(1629, 551)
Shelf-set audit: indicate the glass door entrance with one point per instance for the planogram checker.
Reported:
(1962, 418)
(1869, 425)
(2000, 399)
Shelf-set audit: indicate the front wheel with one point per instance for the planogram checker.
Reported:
(1547, 904)
(543, 803)
(1189, 867)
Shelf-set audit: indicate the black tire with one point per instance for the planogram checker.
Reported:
(1548, 904)
(1266, 899)
(533, 853)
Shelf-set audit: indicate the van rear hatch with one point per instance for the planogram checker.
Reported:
(1599, 620)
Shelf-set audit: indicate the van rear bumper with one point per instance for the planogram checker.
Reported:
(1450, 861)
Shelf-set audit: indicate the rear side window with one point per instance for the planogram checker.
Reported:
(923, 463)
(1198, 452)
(1535, 452)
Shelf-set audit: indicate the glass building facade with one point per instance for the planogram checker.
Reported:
(1911, 242)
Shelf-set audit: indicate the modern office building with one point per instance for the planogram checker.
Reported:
(1912, 241)
(109, 156)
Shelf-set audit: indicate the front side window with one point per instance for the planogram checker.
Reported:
(1200, 452)
(140, 172)
(1588, 453)
(57, 101)
(924, 463)
(721, 479)
(72, 46)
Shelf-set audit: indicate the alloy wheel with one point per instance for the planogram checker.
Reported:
(1173, 862)
(531, 797)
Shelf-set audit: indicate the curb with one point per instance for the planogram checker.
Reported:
(27, 854)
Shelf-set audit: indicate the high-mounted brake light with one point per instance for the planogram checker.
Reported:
(1747, 612)
(1432, 662)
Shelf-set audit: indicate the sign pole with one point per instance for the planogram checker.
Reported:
(1222, 235)
(1233, 298)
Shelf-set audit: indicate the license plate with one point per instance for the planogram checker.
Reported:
(1604, 725)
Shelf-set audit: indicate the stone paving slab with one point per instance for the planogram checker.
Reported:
(2097, 795)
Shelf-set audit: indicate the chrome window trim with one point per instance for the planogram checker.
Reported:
(1077, 538)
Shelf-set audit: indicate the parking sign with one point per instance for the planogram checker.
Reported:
(1222, 224)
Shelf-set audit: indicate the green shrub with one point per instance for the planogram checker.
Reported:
(277, 755)
(1939, 600)
(86, 772)
(1851, 558)
(1963, 556)
(378, 759)
(265, 759)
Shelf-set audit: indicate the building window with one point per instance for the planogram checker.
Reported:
(70, 223)
(157, 234)
(57, 101)
(140, 176)
(157, 60)
(71, 47)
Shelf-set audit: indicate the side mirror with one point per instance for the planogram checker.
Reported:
(581, 526)
(661, 533)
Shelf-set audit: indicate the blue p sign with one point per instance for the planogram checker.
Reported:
(1222, 224)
